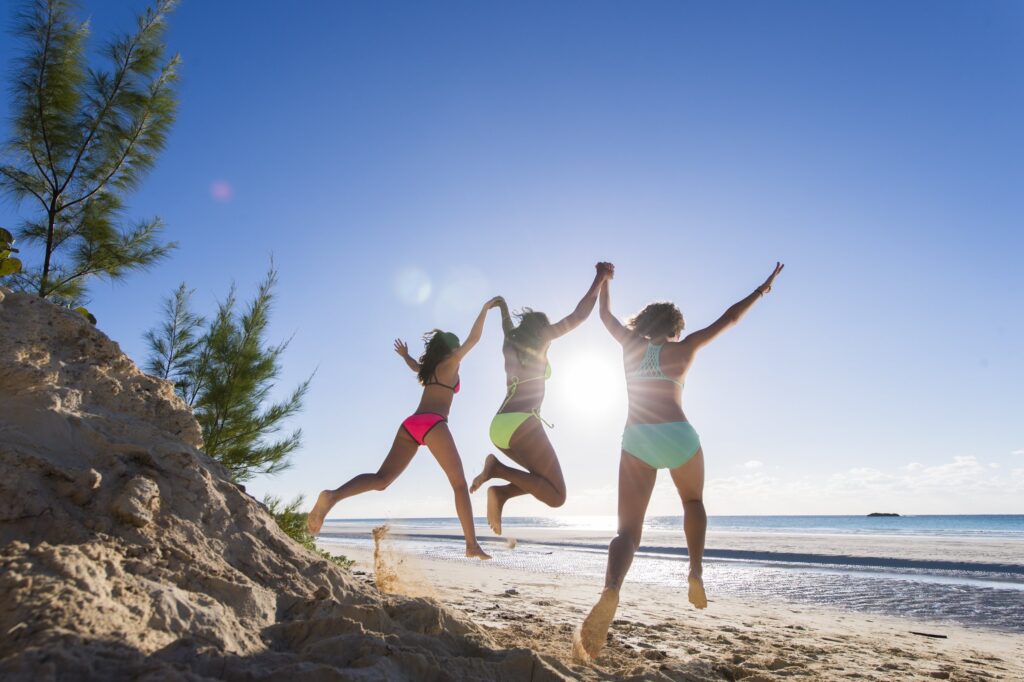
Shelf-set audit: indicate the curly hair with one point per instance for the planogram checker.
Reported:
(528, 336)
(439, 345)
(657, 319)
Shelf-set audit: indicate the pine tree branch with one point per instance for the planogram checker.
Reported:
(119, 79)
(139, 129)
(39, 96)
(28, 188)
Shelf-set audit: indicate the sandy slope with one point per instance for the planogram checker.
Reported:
(125, 553)
(658, 636)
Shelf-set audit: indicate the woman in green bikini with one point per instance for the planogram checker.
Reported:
(657, 436)
(518, 429)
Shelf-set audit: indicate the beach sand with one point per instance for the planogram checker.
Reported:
(657, 635)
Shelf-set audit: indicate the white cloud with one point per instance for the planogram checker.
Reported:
(1018, 452)
(963, 485)
(753, 464)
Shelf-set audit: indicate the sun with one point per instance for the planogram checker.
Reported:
(591, 383)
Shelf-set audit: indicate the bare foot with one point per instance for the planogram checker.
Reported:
(315, 519)
(484, 475)
(495, 503)
(477, 552)
(589, 638)
(696, 593)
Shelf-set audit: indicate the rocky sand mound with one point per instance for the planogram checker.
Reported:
(126, 553)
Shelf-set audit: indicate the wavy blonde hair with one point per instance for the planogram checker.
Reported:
(657, 319)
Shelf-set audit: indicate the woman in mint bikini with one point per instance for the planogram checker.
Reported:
(657, 436)
(518, 429)
(438, 373)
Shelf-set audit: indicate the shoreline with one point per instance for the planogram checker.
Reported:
(971, 551)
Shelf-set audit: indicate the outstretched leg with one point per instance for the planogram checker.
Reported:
(689, 481)
(442, 446)
(402, 451)
(636, 482)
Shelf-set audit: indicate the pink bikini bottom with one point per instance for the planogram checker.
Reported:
(419, 425)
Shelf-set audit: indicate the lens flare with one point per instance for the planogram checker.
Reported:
(412, 286)
(463, 292)
(222, 191)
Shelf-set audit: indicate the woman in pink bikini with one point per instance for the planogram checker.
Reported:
(438, 372)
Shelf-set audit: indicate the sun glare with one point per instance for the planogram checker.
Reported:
(591, 383)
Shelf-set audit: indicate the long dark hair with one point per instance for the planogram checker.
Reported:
(657, 319)
(528, 337)
(439, 345)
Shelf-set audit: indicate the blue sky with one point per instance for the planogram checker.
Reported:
(391, 152)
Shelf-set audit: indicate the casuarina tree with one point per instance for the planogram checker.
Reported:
(83, 137)
(226, 370)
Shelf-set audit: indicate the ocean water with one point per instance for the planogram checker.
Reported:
(992, 525)
(940, 588)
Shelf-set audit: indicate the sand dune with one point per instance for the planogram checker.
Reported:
(125, 553)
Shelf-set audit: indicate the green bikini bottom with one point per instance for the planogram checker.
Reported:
(664, 446)
(505, 424)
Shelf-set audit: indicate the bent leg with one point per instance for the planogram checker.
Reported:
(531, 449)
(689, 482)
(442, 446)
(497, 496)
(402, 451)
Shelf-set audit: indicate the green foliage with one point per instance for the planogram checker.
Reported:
(8, 264)
(84, 312)
(176, 342)
(83, 138)
(293, 523)
(227, 374)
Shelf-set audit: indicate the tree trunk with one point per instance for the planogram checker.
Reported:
(52, 219)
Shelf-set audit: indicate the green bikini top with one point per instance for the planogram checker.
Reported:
(516, 380)
(650, 367)
(514, 384)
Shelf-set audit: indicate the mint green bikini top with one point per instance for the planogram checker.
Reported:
(650, 367)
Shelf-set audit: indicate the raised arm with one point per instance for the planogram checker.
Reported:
(477, 330)
(611, 323)
(403, 352)
(586, 304)
(733, 314)
(506, 318)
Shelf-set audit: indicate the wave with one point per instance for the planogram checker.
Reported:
(788, 558)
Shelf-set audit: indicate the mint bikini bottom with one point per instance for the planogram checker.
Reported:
(664, 446)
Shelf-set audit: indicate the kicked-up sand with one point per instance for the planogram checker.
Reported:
(657, 634)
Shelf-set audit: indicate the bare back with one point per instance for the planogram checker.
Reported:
(437, 397)
(651, 400)
(528, 378)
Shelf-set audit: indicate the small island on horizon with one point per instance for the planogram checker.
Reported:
(883, 514)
